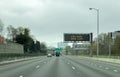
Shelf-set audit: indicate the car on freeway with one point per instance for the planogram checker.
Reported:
(49, 55)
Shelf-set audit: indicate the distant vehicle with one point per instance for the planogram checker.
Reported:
(49, 55)
(53, 54)
(57, 54)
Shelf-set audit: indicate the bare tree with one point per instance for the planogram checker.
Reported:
(1, 27)
(20, 30)
(11, 32)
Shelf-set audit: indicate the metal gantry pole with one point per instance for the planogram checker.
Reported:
(110, 39)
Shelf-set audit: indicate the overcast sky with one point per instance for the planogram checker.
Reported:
(49, 19)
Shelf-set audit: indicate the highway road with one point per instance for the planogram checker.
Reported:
(64, 66)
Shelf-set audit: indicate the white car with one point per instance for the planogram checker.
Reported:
(49, 55)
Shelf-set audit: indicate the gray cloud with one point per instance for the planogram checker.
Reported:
(49, 19)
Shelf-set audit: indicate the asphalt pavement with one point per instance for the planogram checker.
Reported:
(63, 66)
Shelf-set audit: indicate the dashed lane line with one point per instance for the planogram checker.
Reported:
(106, 68)
(68, 63)
(37, 66)
(20, 76)
(100, 66)
(73, 68)
(115, 70)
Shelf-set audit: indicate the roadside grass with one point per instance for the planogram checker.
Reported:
(110, 57)
(101, 56)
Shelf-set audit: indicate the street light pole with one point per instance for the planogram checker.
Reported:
(97, 28)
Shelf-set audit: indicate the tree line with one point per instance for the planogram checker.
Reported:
(107, 45)
(22, 36)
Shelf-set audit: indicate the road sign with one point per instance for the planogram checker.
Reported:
(76, 37)
(58, 49)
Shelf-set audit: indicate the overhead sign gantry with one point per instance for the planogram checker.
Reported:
(75, 37)
(78, 37)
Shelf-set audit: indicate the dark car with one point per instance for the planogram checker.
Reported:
(57, 54)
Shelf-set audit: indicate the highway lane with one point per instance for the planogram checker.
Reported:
(64, 66)
(95, 68)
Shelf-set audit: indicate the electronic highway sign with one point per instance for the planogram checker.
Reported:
(69, 37)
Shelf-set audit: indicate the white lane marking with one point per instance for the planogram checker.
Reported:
(73, 68)
(37, 66)
(100, 66)
(68, 63)
(106, 68)
(115, 70)
(21, 76)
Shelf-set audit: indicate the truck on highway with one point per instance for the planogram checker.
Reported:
(57, 54)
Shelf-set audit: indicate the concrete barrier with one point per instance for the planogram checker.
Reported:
(11, 48)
